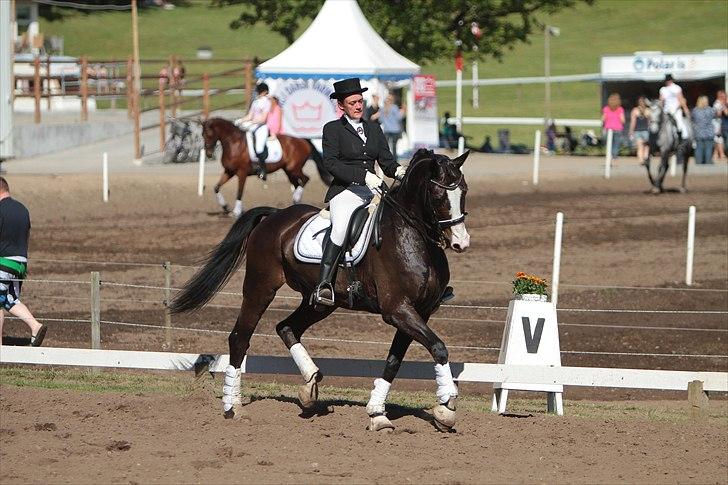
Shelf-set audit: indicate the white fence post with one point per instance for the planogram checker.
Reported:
(459, 100)
(461, 145)
(476, 89)
(608, 158)
(536, 155)
(201, 174)
(557, 258)
(95, 310)
(105, 176)
(691, 246)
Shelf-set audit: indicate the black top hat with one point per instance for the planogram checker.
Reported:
(347, 87)
(668, 77)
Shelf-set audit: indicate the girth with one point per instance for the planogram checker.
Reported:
(15, 268)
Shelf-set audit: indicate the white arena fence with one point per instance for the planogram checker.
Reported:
(462, 372)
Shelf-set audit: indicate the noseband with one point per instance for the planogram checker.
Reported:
(444, 224)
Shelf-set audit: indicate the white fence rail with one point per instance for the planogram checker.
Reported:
(510, 120)
(463, 372)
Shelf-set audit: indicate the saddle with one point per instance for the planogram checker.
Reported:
(363, 231)
(272, 146)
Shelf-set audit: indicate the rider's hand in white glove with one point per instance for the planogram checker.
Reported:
(373, 181)
(399, 173)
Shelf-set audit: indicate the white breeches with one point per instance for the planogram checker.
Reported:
(259, 131)
(342, 206)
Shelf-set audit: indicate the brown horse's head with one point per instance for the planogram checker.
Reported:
(445, 190)
(217, 129)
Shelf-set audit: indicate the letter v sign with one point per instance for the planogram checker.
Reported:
(532, 340)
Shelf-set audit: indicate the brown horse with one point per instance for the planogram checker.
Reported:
(236, 159)
(404, 280)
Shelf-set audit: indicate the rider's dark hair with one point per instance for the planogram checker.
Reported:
(668, 77)
(4, 187)
(261, 88)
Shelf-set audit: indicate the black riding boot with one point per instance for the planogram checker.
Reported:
(324, 292)
(262, 174)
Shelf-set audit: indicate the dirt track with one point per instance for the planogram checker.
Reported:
(615, 235)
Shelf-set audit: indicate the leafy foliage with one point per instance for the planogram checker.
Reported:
(421, 30)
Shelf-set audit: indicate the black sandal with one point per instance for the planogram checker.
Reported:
(37, 339)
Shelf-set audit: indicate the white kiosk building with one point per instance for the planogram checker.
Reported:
(642, 74)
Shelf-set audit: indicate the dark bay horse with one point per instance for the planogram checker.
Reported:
(666, 142)
(236, 159)
(404, 280)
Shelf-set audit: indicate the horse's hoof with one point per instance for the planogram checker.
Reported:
(444, 415)
(655, 190)
(683, 190)
(379, 423)
(308, 393)
(236, 413)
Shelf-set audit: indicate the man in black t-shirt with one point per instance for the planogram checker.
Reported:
(14, 235)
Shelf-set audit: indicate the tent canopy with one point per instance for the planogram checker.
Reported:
(339, 43)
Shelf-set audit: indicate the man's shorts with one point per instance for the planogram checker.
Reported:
(9, 290)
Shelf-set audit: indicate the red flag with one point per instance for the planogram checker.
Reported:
(459, 60)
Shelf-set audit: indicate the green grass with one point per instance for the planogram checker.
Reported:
(587, 33)
(184, 386)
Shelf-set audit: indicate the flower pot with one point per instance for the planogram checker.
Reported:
(530, 297)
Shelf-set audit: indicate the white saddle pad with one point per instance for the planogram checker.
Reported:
(308, 244)
(275, 151)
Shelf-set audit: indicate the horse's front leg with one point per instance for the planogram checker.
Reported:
(407, 320)
(662, 172)
(218, 195)
(238, 210)
(375, 407)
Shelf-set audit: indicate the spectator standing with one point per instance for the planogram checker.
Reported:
(639, 129)
(275, 117)
(613, 119)
(721, 124)
(14, 235)
(703, 116)
(178, 73)
(390, 117)
(371, 113)
(551, 136)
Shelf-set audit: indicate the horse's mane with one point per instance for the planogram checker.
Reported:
(413, 190)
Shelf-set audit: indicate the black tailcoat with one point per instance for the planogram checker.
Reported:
(348, 158)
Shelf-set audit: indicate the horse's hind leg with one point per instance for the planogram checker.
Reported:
(242, 177)
(298, 180)
(375, 407)
(662, 171)
(290, 331)
(258, 293)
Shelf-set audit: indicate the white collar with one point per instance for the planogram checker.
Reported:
(352, 120)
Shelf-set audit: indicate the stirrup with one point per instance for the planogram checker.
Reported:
(447, 295)
(317, 299)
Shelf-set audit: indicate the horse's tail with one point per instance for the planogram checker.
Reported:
(317, 157)
(220, 263)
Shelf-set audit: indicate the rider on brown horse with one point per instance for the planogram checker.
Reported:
(350, 145)
(255, 122)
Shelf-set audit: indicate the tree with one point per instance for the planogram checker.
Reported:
(421, 30)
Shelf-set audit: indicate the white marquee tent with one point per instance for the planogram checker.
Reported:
(339, 43)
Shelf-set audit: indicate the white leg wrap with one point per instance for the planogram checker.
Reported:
(238, 208)
(231, 388)
(220, 198)
(297, 194)
(445, 385)
(378, 397)
(303, 361)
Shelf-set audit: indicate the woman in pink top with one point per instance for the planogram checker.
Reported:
(613, 119)
(274, 119)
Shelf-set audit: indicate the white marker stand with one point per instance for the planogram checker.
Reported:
(539, 347)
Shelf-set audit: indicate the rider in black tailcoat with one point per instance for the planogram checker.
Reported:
(351, 146)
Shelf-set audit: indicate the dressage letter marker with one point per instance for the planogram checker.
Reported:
(531, 337)
(105, 176)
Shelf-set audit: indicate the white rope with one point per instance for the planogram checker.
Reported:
(50, 281)
(106, 263)
(678, 312)
(606, 287)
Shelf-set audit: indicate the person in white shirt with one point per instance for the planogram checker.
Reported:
(673, 102)
(255, 122)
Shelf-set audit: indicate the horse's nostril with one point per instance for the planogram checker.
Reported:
(456, 246)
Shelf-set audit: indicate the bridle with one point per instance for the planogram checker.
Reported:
(423, 227)
(444, 224)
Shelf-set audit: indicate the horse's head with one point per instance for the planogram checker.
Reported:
(448, 189)
(209, 134)
(436, 183)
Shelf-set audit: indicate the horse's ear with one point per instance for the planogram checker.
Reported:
(458, 162)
